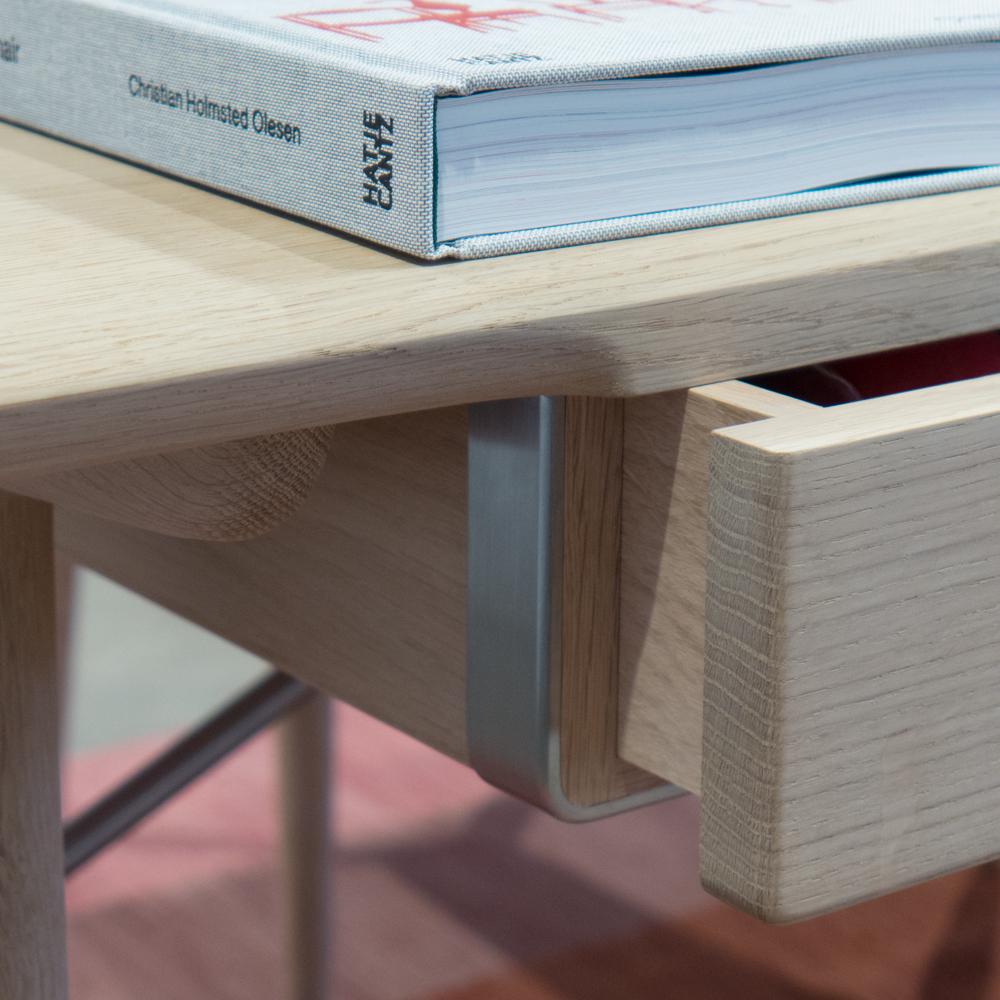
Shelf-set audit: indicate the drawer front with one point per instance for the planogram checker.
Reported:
(851, 741)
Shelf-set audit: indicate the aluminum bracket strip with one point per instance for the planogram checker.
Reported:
(514, 613)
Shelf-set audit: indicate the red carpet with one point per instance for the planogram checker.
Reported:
(449, 890)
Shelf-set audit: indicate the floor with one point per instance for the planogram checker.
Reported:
(445, 889)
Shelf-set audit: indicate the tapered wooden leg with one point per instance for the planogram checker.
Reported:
(32, 914)
(305, 793)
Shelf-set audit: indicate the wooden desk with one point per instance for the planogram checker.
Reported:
(141, 315)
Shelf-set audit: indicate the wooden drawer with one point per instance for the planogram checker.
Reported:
(851, 735)
(846, 569)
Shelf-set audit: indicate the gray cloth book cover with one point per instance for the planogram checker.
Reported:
(333, 114)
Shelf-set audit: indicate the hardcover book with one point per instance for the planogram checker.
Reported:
(468, 128)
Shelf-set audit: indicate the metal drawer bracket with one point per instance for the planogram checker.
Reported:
(513, 623)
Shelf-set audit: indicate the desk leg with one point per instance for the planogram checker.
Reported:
(32, 912)
(305, 793)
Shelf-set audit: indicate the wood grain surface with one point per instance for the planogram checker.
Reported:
(32, 916)
(361, 592)
(221, 492)
(852, 687)
(665, 525)
(592, 771)
(143, 315)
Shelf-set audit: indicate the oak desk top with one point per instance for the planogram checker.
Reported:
(140, 314)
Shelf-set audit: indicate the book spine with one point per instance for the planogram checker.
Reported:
(344, 145)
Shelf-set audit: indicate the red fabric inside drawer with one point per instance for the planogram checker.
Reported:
(887, 372)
